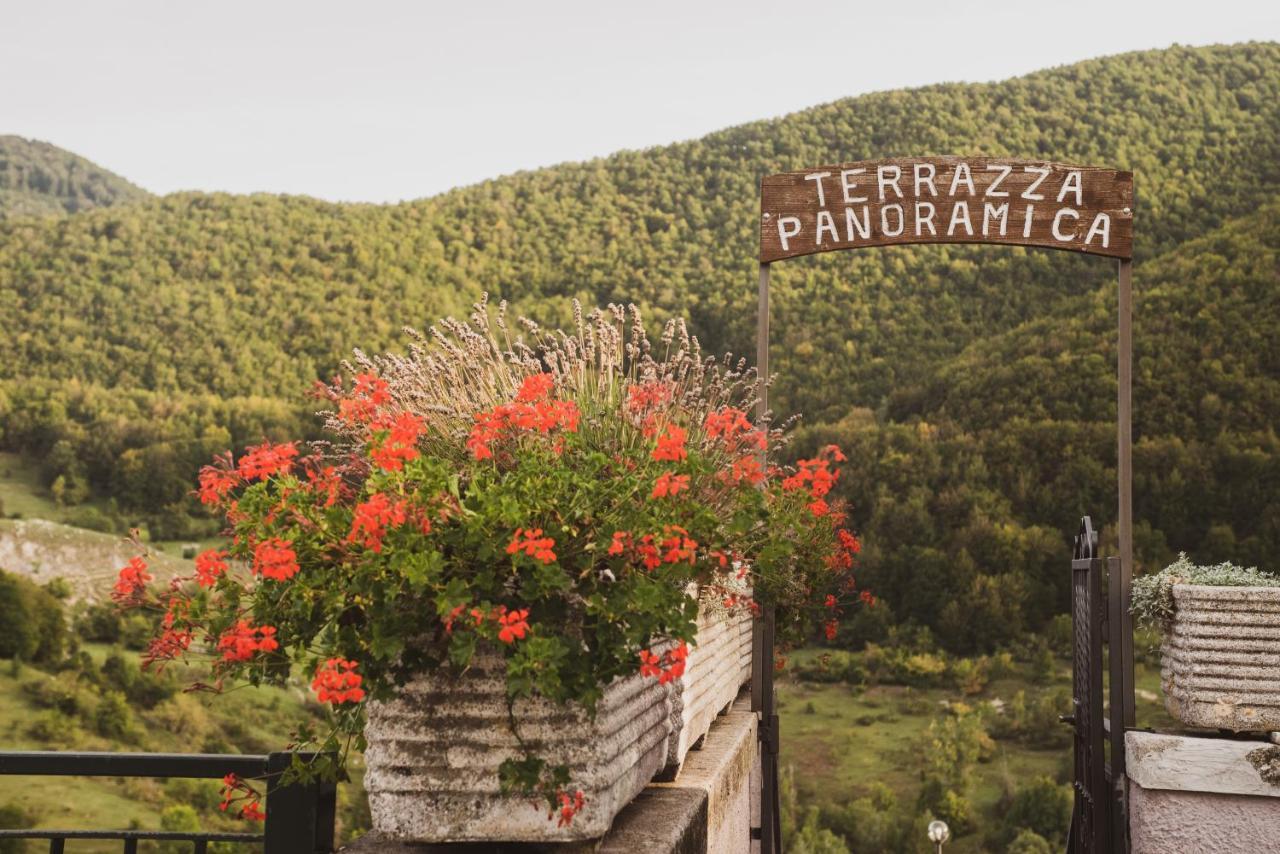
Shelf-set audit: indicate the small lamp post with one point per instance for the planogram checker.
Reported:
(939, 833)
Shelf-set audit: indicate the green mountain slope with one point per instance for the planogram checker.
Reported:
(148, 336)
(37, 178)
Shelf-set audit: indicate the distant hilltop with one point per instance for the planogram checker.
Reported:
(37, 178)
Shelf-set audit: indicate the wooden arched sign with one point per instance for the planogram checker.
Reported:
(946, 200)
(1032, 203)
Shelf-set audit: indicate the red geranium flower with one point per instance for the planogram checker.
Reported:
(264, 460)
(243, 640)
(669, 483)
(275, 559)
(132, 582)
(337, 682)
(671, 445)
(514, 625)
(531, 542)
(210, 564)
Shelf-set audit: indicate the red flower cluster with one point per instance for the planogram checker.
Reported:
(400, 445)
(667, 667)
(326, 482)
(264, 460)
(646, 396)
(746, 468)
(369, 393)
(337, 682)
(210, 564)
(374, 517)
(569, 806)
(241, 641)
(671, 445)
(532, 411)
(731, 426)
(215, 483)
(275, 559)
(620, 543)
(818, 477)
(167, 646)
(669, 483)
(237, 791)
(675, 546)
(514, 624)
(531, 542)
(132, 582)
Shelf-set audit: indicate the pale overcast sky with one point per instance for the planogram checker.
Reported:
(375, 100)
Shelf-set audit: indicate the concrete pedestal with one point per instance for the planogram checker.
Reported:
(1206, 795)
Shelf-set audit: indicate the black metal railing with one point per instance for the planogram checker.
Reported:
(300, 817)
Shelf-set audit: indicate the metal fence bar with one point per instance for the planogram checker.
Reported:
(194, 765)
(300, 817)
(1091, 828)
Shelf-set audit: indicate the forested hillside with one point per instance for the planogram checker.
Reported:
(973, 384)
(38, 178)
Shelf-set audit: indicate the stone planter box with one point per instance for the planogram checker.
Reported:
(719, 664)
(1220, 662)
(433, 756)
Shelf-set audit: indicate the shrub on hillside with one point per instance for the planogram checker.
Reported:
(54, 729)
(1029, 842)
(112, 719)
(142, 688)
(91, 518)
(62, 692)
(1043, 807)
(970, 675)
(34, 629)
(99, 624)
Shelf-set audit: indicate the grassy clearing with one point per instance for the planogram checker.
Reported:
(840, 740)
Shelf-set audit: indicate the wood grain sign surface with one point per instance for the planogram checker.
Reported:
(946, 200)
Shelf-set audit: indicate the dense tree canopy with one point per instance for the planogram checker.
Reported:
(39, 178)
(973, 385)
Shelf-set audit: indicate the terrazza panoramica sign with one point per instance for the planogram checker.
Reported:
(946, 200)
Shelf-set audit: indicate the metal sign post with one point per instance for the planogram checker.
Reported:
(1017, 202)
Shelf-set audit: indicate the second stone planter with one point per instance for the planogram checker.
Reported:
(1220, 662)
(433, 756)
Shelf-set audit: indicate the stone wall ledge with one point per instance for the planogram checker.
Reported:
(705, 810)
(1202, 795)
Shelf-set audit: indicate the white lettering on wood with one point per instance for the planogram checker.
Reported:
(785, 232)
(1030, 192)
(816, 178)
(922, 219)
(897, 230)
(881, 180)
(848, 185)
(962, 174)
(957, 218)
(1072, 184)
(1004, 173)
(1057, 221)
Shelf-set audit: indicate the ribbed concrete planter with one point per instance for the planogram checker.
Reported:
(1221, 657)
(433, 756)
(719, 664)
